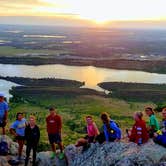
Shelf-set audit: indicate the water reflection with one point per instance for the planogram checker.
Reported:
(90, 75)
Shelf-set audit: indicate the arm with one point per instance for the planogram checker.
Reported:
(38, 134)
(96, 129)
(6, 111)
(60, 124)
(12, 131)
(117, 129)
(106, 133)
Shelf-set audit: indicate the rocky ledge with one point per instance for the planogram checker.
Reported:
(117, 154)
(108, 154)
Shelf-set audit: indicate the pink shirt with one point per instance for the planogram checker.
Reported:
(92, 130)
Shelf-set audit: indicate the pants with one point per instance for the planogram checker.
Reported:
(28, 150)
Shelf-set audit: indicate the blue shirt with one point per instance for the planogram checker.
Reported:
(19, 127)
(116, 132)
(3, 108)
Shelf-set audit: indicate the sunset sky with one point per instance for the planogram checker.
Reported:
(94, 11)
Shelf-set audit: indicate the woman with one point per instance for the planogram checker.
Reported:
(92, 129)
(18, 130)
(139, 133)
(111, 130)
(32, 135)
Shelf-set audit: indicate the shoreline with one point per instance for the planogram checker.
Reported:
(152, 66)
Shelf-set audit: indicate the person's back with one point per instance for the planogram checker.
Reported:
(111, 131)
(139, 132)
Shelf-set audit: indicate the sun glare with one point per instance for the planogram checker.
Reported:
(102, 11)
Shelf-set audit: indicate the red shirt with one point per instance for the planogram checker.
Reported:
(54, 124)
(138, 131)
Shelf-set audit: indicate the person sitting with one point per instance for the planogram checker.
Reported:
(160, 136)
(153, 122)
(111, 130)
(92, 129)
(139, 133)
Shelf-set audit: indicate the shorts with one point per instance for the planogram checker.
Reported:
(20, 137)
(2, 123)
(54, 138)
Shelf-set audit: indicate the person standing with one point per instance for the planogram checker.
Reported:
(18, 130)
(54, 127)
(3, 113)
(32, 136)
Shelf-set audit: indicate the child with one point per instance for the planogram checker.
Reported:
(111, 131)
(3, 113)
(153, 123)
(18, 130)
(32, 135)
(92, 129)
(139, 133)
(160, 137)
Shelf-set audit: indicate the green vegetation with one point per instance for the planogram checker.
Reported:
(136, 91)
(9, 51)
(73, 104)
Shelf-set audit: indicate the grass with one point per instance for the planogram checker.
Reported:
(9, 51)
(73, 111)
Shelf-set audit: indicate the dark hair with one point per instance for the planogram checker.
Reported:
(149, 109)
(52, 109)
(104, 116)
(89, 116)
(18, 113)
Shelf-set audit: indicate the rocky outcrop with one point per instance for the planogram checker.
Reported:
(43, 159)
(108, 154)
(117, 154)
(12, 153)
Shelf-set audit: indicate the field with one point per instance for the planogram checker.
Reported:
(13, 52)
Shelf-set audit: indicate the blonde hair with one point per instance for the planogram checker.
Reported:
(139, 114)
(32, 117)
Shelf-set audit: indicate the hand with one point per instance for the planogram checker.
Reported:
(117, 140)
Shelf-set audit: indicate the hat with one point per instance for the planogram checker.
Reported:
(2, 94)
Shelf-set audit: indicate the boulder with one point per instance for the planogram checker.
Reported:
(43, 159)
(117, 154)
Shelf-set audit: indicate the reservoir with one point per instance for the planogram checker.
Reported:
(89, 74)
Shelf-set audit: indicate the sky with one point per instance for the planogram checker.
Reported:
(94, 12)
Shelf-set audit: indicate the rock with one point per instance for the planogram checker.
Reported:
(43, 159)
(117, 154)
(13, 151)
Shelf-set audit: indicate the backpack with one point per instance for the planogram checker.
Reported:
(3, 148)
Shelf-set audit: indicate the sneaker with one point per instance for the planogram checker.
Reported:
(52, 156)
(61, 156)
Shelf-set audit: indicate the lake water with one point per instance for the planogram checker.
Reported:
(89, 74)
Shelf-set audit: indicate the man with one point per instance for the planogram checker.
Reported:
(3, 113)
(54, 126)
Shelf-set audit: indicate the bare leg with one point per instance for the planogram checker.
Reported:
(21, 144)
(53, 147)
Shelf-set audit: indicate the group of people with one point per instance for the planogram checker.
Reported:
(139, 133)
(28, 131)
